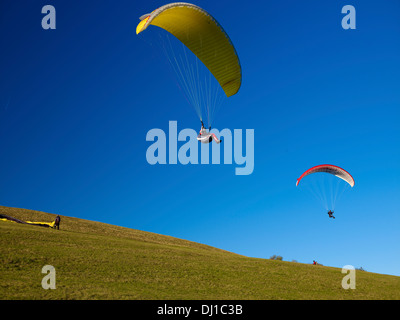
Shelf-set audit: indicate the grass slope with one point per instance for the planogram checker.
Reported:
(99, 261)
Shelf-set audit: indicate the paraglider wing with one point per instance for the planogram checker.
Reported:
(203, 35)
(328, 168)
(41, 224)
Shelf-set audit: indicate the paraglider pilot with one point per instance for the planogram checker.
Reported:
(330, 213)
(206, 137)
(57, 222)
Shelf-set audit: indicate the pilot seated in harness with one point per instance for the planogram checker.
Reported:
(206, 137)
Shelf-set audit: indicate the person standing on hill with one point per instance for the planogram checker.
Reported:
(57, 222)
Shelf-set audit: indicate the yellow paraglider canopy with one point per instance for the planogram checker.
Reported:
(36, 223)
(203, 35)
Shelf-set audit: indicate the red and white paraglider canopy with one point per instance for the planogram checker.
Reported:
(328, 168)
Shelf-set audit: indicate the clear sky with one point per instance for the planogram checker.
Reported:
(77, 102)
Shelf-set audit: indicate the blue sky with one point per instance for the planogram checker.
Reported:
(77, 102)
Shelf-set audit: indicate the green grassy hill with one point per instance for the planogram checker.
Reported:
(99, 261)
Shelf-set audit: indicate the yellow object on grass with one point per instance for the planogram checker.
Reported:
(42, 224)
